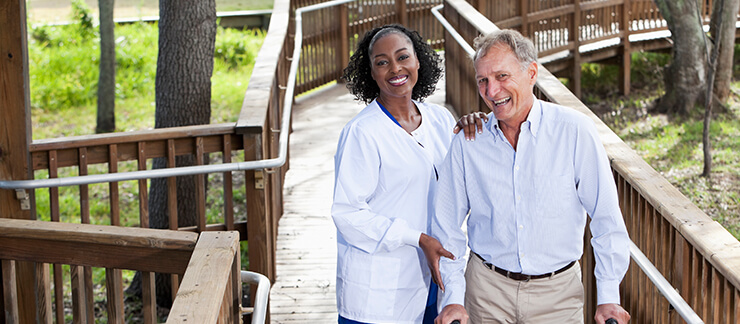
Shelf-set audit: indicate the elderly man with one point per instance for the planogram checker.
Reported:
(529, 180)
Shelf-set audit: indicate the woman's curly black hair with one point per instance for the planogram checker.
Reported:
(358, 75)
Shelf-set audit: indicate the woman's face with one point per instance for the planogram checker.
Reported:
(394, 65)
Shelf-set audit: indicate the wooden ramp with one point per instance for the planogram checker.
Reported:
(304, 291)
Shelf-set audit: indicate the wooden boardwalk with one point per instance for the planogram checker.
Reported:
(304, 291)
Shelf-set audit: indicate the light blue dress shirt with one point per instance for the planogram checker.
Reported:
(528, 207)
(384, 185)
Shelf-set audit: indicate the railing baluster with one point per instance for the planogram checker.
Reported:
(172, 205)
(85, 219)
(79, 308)
(200, 186)
(10, 291)
(115, 207)
(114, 293)
(149, 297)
(54, 210)
(143, 193)
(228, 186)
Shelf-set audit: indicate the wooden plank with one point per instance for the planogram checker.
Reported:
(206, 279)
(58, 293)
(259, 229)
(149, 297)
(200, 187)
(115, 209)
(15, 137)
(79, 309)
(114, 293)
(228, 187)
(43, 293)
(9, 292)
(96, 245)
(143, 189)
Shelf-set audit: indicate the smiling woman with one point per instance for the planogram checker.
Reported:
(385, 177)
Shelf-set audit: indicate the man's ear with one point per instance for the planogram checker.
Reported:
(532, 72)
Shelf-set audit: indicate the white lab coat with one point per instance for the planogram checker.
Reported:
(384, 185)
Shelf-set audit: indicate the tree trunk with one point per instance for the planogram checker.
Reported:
(106, 122)
(685, 77)
(187, 40)
(725, 11)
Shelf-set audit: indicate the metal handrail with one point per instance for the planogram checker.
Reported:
(259, 311)
(665, 288)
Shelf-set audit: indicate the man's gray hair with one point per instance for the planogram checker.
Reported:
(522, 47)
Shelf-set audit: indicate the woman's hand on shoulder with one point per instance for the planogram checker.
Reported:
(470, 123)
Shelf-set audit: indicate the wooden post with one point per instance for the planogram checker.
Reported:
(625, 52)
(576, 39)
(14, 141)
(259, 225)
(401, 12)
(524, 11)
(343, 37)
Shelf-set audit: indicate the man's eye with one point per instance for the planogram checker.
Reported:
(482, 81)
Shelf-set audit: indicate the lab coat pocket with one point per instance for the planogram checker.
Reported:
(384, 284)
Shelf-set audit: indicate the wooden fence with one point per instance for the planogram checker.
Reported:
(695, 254)
(83, 246)
(253, 137)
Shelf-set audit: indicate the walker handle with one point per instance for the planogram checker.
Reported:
(611, 321)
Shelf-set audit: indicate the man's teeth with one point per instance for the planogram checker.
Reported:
(501, 101)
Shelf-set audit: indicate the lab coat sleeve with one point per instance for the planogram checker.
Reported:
(357, 170)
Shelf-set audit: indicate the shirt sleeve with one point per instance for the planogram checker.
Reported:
(451, 207)
(598, 193)
(356, 166)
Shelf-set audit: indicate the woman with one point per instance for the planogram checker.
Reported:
(385, 177)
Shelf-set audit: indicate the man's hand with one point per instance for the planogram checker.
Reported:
(469, 123)
(607, 311)
(452, 312)
(433, 251)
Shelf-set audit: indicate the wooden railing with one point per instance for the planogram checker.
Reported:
(253, 137)
(210, 290)
(696, 254)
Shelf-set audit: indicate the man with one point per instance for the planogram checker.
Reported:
(529, 180)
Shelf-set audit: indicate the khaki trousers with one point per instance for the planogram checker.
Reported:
(493, 298)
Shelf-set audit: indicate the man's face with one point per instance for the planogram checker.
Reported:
(505, 87)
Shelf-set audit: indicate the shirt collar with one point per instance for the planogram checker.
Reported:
(533, 121)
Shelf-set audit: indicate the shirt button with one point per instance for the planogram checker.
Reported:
(521, 226)
(516, 168)
(518, 198)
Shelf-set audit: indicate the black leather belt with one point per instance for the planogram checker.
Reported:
(520, 276)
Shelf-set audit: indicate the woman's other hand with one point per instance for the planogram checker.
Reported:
(433, 251)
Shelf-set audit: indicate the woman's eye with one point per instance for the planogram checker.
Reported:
(403, 57)
(379, 63)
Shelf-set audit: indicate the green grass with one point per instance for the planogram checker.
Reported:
(672, 145)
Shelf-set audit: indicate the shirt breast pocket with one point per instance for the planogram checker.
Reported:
(554, 194)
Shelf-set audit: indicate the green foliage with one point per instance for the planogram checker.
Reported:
(64, 76)
(234, 49)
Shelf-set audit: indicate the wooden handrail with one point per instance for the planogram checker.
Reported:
(211, 287)
(210, 290)
(96, 245)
